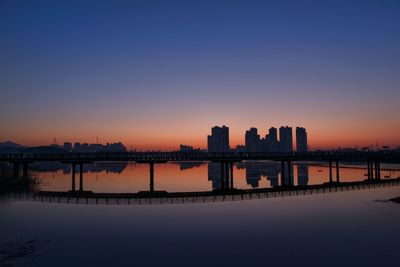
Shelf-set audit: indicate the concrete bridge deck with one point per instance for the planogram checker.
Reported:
(146, 157)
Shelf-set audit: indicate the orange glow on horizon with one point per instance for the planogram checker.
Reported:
(156, 133)
(151, 141)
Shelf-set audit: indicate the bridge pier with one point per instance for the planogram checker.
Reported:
(25, 170)
(231, 171)
(226, 175)
(289, 166)
(372, 169)
(151, 176)
(377, 170)
(73, 176)
(330, 172)
(369, 169)
(222, 176)
(80, 176)
(16, 169)
(73, 164)
(373, 177)
(337, 172)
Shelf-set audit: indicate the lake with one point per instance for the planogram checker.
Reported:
(354, 228)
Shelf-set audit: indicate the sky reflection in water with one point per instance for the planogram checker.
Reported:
(346, 228)
(172, 177)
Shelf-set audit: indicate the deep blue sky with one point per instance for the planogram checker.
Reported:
(160, 73)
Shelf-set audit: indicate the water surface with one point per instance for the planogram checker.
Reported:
(355, 228)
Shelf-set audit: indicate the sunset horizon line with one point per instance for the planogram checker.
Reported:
(175, 146)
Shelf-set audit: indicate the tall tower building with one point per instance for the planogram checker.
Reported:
(218, 141)
(285, 139)
(252, 140)
(301, 139)
(271, 139)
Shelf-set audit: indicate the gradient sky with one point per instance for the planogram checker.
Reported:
(154, 74)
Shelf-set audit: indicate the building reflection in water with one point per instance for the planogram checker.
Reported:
(190, 165)
(302, 174)
(108, 167)
(215, 176)
(288, 180)
(255, 171)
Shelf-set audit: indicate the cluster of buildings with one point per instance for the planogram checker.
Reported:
(218, 141)
(85, 147)
(187, 148)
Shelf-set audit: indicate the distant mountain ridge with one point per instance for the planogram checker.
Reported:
(11, 147)
(10, 144)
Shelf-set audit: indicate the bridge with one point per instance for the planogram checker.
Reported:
(226, 159)
(200, 156)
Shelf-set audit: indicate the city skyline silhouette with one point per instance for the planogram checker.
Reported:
(271, 142)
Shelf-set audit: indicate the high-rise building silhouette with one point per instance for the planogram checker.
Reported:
(218, 141)
(252, 140)
(285, 139)
(271, 140)
(301, 139)
(68, 146)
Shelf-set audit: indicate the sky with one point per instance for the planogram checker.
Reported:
(156, 74)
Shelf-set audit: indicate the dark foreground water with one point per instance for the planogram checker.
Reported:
(355, 228)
